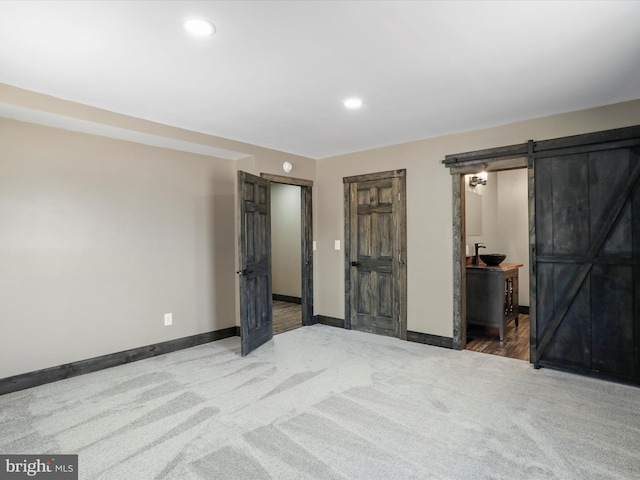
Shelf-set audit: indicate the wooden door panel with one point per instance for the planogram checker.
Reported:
(588, 262)
(365, 290)
(612, 305)
(385, 295)
(572, 342)
(544, 207)
(636, 320)
(571, 205)
(364, 236)
(374, 324)
(256, 325)
(607, 173)
(384, 225)
(619, 243)
(375, 238)
(385, 195)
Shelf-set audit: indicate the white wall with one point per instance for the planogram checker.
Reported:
(512, 236)
(488, 195)
(286, 234)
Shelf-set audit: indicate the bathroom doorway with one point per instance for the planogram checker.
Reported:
(497, 297)
(497, 221)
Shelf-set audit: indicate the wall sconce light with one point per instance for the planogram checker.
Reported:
(476, 180)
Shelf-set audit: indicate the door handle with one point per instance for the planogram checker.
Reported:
(244, 273)
(533, 259)
(354, 264)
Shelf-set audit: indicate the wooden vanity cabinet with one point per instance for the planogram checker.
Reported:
(492, 295)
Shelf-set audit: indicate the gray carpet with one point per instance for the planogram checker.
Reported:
(326, 403)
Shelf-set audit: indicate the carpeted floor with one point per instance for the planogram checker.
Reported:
(325, 403)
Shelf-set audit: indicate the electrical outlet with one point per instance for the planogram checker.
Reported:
(168, 319)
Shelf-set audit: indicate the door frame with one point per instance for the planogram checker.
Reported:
(400, 242)
(508, 158)
(306, 240)
(459, 235)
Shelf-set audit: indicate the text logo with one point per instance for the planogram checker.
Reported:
(49, 467)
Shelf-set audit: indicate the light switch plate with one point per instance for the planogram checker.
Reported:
(337, 245)
(168, 319)
(314, 245)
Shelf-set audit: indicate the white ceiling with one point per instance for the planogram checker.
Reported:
(275, 73)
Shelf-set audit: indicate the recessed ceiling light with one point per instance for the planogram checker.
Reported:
(199, 27)
(353, 103)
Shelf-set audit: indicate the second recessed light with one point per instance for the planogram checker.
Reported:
(353, 103)
(199, 27)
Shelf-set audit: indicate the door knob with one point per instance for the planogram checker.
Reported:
(354, 264)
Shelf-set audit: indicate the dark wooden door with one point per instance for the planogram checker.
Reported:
(256, 320)
(586, 262)
(375, 252)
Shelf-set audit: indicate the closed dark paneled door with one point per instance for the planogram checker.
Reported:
(375, 255)
(587, 269)
(256, 321)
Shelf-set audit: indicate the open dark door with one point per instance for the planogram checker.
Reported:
(256, 321)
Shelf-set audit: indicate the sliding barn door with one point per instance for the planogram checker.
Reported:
(587, 262)
(256, 320)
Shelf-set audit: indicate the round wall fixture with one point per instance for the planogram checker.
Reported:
(287, 167)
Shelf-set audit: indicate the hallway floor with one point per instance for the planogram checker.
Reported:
(516, 339)
(286, 316)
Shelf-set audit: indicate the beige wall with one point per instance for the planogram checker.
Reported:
(286, 234)
(100, 238)
(429, 209)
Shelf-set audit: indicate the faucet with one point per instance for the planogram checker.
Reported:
(478, 246)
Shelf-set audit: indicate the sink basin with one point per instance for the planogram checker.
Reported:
(493, 259)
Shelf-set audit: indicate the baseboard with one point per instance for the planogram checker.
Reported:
(428, 339)
(238, 331)
(523, 309)
(53, 374)
(331, 321)
(287, 298)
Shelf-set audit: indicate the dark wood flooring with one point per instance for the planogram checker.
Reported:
(487, 340)
(286, 316)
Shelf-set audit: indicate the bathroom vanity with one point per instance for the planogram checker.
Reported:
(492, 295)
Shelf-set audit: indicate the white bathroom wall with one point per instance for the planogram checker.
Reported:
(505, 222)
(286, 237)
(488, 195)
(512, 228)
